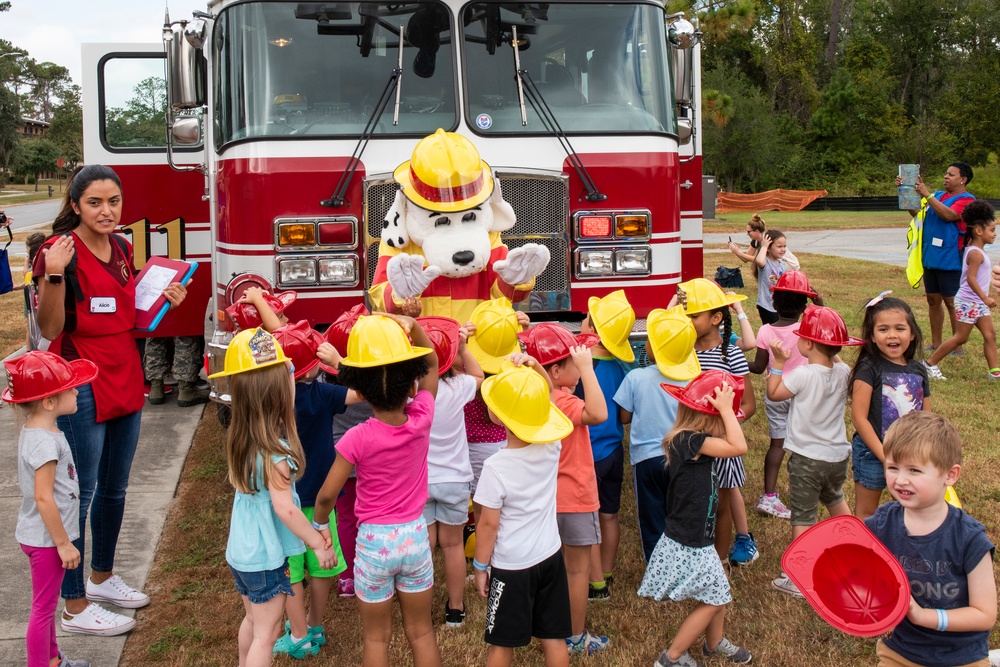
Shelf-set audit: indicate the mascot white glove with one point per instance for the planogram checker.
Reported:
(407, 276)
(522, 264)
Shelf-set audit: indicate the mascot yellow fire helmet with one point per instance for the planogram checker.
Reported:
(496, 333)
(519, 397)
(671, 339)
(378, 341)
(445, 174)
(700, 294)
(613, 318)
(250, 350)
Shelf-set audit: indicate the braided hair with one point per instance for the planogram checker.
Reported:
(727, 329)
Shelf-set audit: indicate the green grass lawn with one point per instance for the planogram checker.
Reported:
(800, 221)
(196, 612)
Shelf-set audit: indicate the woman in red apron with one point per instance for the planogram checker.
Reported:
(89, 313)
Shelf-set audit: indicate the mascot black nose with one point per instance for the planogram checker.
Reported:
(464, 257)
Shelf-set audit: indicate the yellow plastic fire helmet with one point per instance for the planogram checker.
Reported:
(700, 294)
(519, 397)
(445, 174)
(250, 350)
(376, 340)
(613, 318)
(671, 339)
(496, 333)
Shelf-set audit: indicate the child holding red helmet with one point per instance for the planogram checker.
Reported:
(568, 361)
(43, 385)
(684, 565)
(789, 299)
(816, 435)
(316, 403)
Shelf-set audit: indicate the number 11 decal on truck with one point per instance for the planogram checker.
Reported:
(285, 121)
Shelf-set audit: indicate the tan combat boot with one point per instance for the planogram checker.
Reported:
(190, 394)
(156, 395)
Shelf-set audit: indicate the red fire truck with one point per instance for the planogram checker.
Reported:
(285, 120)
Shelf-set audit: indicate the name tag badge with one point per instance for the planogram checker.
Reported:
(936, 242)
(103, 304)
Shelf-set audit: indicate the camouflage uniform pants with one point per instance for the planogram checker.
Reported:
(187, 358)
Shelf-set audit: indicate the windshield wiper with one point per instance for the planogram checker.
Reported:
(526, 84)
(338, 198)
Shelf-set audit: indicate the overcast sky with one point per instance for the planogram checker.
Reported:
(53, 30)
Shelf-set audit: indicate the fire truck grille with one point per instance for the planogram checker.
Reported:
(540, 203)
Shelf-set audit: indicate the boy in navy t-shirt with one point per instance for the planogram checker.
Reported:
(945, 552)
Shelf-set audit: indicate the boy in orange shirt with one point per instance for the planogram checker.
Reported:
(568, 361)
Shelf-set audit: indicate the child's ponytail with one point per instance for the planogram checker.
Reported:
(727, 330)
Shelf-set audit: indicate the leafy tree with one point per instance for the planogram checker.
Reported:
(48, 84)
(66, 131)
(834, 128)
(142, 121)
(9, 132)
(34, 157)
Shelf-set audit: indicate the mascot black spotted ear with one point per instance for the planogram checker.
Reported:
(441, 237)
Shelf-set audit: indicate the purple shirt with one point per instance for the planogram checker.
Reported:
(391, 464)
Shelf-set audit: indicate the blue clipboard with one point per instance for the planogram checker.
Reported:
(148, 320)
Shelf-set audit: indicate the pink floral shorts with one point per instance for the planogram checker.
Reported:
(967, 312)
(392, 557)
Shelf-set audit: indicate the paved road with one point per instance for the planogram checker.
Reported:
(28, 216)
(887, 245)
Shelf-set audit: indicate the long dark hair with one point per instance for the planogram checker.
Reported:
(67, 220)
(870, 350)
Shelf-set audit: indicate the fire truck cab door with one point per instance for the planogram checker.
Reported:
(163, 212)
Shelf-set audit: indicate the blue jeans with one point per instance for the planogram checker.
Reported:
(102, 453)
(650, 479)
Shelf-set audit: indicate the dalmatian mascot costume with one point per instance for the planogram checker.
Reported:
(441, 237)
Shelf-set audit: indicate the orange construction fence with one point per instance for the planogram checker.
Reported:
(772, 200)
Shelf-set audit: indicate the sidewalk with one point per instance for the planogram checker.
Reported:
(164, 441)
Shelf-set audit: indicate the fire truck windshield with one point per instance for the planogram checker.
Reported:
(318, 69)
(599, 67)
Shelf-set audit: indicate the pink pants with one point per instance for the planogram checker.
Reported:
(347, 524)
(46, 578)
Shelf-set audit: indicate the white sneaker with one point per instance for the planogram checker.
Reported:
(117, 592)
(995, 657)
(785, 585)
(934, 372)
(96, 620)
(772, 505)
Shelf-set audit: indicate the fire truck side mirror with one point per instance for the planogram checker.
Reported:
(685, 129)
(186, 66)
(186, 131)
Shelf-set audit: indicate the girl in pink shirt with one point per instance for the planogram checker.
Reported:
(388, 453)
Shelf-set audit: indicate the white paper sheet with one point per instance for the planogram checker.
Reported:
(152, 286)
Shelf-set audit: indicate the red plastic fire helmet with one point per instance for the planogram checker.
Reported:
(549, 342)
(696, 393)
(852, 581)
(825, 325)
(443, 332)
(795, 281)
(299, 342)
(39, 374)
(340, 330)
(246, 316)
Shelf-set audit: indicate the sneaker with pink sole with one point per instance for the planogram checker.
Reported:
(772, 505)
(345, 588)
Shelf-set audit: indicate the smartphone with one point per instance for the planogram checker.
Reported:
(730, 239)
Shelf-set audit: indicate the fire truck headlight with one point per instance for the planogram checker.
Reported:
(632, 261)
(595, 262)
(297, 272)
(296, 234)
(338, 270)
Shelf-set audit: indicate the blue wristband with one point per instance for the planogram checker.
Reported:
(942, 620)
(479, 566)
(777, 371)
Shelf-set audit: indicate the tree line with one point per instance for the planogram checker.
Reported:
(833, 94)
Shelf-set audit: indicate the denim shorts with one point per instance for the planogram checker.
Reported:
(448, 503)
(869, 472)
(392, 557)
(260, 587)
